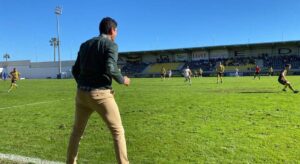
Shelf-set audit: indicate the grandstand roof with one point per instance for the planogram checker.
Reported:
(184, 50)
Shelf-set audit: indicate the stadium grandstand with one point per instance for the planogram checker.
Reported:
(148, 63)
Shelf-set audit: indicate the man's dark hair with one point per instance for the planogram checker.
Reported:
(106, 25)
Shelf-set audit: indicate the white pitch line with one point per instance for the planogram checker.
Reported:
(30, 104)
(22, 159)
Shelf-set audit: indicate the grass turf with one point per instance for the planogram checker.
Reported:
(240, 121)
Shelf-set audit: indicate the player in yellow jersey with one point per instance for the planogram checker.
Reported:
(163, 73)
(220, 71)
(14, 75)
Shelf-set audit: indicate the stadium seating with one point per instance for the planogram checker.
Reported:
(278, 62)
(156, 67)
(205, 65)
(242, 68)
(133, 68)
(244, 64)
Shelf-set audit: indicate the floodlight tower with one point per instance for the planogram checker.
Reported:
(58, 12)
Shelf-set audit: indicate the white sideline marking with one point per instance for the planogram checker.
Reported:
(18, 158)
(30, 104)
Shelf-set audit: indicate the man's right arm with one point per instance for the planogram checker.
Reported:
(111, 64)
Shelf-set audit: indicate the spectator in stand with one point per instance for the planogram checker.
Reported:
(257, 72)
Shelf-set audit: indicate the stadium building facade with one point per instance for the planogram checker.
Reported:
(148, 63)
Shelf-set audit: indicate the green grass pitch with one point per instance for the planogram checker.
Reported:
(240, 121)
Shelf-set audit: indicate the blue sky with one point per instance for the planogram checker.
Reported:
(27, 26)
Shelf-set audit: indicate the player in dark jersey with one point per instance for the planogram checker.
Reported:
(282, 79)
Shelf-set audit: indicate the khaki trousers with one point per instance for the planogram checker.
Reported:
(103, 102)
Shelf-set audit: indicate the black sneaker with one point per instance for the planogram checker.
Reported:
(296, 91)
(284, 90)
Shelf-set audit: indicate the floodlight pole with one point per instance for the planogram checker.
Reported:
(58, 12)
(54, 51)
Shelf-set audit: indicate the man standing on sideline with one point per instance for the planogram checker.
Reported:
(15, 76)
(220, 71)
(94, 69)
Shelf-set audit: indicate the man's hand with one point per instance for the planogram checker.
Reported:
(126, 81)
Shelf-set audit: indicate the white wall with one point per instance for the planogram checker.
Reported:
(39, 70)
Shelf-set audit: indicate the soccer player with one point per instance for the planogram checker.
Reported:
(236, 72)
(163, 73)
(187, 73)
(195, 73)
(220, 71)
(14, 75)
(282, 79)
(271, 71)
(257, 72)
(170, 73)
(200, 72)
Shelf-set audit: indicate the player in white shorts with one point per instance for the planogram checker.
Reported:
(170, 73)
(187, 73)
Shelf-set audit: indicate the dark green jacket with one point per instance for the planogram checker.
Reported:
(96, 63)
